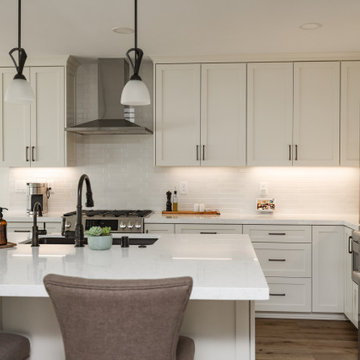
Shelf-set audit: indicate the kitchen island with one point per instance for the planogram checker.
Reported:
(220, 316)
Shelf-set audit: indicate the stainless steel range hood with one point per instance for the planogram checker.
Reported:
(99, 84)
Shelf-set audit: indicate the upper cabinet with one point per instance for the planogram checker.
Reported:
(48, 117)
(33, 135)
(316, 113)
(177, 108)
(293, 114)
(270, 114)
(223, 115)
(350, 113)
(15, 126)
(200, 116)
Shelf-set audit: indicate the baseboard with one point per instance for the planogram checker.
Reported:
(308, 316)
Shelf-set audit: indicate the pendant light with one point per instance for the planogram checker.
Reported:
(19, 90)
(135, 91)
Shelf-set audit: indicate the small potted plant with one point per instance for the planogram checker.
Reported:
(99, 238)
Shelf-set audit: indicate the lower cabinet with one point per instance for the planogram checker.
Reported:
(328, 269)
(207, 229)
(287, 294)
(159, 228)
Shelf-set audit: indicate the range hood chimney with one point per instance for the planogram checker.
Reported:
(99, 85)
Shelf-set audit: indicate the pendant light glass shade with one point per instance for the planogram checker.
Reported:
(135, 92)
(19, 92)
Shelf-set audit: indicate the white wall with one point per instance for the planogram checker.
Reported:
(123, 176)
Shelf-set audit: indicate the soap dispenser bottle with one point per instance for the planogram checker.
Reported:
(3, 224)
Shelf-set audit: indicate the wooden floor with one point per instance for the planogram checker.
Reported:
(278, 339)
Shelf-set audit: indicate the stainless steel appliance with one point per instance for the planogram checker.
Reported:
(120, 221)
(37, 192)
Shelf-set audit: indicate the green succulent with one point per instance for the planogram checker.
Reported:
(99, 231)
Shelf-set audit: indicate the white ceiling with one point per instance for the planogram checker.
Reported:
(182, 27)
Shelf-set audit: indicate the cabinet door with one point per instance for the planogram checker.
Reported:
(15, 126)
(270, 114)
(348, 283)
(350, 113)
(223, 115)
(47, 117)
(328, 269)
(177, 115)
(316, 113)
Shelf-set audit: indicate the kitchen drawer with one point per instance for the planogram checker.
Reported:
(287, 294)
(159, 228)
(207, 229)
(278, 233)
(286, 260)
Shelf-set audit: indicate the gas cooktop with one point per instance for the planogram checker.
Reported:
(113, 213)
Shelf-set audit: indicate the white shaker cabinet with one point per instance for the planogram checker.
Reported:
(15, 125)
(223, 115)
(269, 114)
(316, 113)
(33, 135)
(200, 115)
(328, 269)
(177, 115)
(48, 117)
(350, 113)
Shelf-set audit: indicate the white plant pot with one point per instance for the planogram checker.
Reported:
(100, 242)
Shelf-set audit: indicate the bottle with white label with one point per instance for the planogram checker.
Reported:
(175, 201)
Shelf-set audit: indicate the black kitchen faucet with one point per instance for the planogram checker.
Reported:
(79, 228)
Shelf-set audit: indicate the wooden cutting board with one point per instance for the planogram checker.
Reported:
(215, 212)
(8, 245)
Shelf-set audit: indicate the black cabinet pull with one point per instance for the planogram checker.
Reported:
(22, 231)
(203, 152)
(296, 152)
(289, 152)
(280, 260)
(33, 153)
(350, 248)
(197, 152)
(27, 153)
(280, 234)
(277, 294)
(208, 232)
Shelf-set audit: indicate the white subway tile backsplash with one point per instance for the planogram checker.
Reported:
(123, 176)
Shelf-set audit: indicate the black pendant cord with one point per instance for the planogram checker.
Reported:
(138, 53)
(21, 52)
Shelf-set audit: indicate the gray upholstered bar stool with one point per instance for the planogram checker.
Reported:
(121, 319)
(14, 347)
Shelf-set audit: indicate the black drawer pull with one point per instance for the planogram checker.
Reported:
(208, 232)
(280, 234)
(277, 294)
(281, 260)
(22, 231)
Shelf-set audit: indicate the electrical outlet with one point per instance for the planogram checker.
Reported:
(183, 187)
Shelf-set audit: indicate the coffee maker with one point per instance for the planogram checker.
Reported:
(37, 192)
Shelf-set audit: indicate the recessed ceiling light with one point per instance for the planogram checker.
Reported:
(123, 30)
(310, 26)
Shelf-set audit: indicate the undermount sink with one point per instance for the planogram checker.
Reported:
(116, 241)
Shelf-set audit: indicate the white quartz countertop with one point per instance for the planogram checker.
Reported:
(243, 219)
(223, 267)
